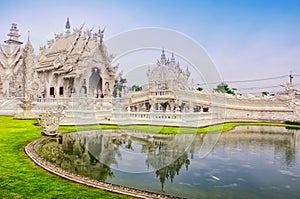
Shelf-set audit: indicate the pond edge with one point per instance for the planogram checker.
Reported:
(30, 150)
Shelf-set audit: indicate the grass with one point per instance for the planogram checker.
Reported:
(174, 130)
(21, 178)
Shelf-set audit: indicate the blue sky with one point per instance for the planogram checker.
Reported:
(246, 39)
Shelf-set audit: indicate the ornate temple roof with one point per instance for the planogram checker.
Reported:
(70, 50)
(168, 73)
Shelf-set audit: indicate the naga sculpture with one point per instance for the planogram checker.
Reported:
(49, 121)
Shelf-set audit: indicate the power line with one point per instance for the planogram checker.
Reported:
(253, 88)
(250, 80)
(257, 80)
(296, 84)
(265, 87)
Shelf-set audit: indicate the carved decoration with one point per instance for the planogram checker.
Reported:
(49, 121)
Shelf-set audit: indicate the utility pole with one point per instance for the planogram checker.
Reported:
(291, 78)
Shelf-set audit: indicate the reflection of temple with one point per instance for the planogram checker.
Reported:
(173, 169)
(92, 153)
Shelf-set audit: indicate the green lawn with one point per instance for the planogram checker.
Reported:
(21, 178)
(173, 130)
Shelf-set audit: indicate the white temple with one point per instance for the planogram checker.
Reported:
(168, 74)
(75, 68)
(74, 62)
(167, 85)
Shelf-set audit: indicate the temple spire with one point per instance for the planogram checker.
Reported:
(173, 59)
(28, 46)
(163, 57)
(101, 34)
(28, 37)
(13, 35)
(187, 71)
(68, 25)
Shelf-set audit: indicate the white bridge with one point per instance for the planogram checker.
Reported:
(119, 111)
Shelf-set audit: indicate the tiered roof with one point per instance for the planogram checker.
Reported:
(13, 35)
(10, 60)
(70, 50)
(11, 53)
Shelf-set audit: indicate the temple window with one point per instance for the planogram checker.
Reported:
(51, 90)
(61, 90)
(205, 109)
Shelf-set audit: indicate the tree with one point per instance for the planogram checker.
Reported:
(119, 86)
(199, 89)
(265, 93)
(224, 88)
(136, 88)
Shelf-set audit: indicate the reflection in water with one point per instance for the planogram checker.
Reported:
(238, 157)
(93, 153)
(69, 153)
(172, 169)
(283, 141)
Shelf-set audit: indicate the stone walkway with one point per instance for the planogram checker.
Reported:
(30, 150)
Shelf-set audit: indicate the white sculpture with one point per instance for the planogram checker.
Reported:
(49, 121)
(29, 83)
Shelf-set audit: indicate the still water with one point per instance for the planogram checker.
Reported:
(247, 162)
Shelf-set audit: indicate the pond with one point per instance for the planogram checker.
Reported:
(246, 162)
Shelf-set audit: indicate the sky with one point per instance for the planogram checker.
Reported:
(246, 40)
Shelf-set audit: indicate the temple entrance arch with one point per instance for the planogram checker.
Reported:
(95, 83)
(83, 90)
(165, 106)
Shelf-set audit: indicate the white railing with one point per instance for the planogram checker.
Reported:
(155, 115)
(164, 115)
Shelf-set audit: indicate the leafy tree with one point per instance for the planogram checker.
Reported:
(224, 88)
(265, 93)
(199, 89)
(136, 88)
(119, 86)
